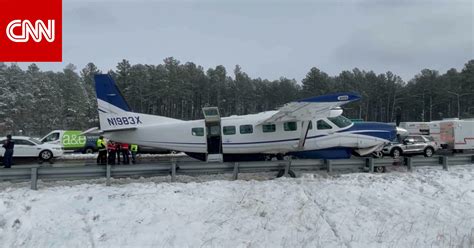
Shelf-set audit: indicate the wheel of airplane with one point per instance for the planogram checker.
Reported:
(290, 173)
(377, 154)
(379, 169)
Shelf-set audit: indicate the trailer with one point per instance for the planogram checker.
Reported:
(424, 128)
(458, 135)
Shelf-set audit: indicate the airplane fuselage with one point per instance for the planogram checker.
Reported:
(309, 128)
(243, 135)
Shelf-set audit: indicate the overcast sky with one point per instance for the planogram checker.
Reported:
(270, 39)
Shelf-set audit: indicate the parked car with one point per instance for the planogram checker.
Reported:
(412, 144)
(27, 147)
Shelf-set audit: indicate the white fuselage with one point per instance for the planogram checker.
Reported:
(177, 135)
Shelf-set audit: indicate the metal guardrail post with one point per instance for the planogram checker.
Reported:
(34, 178)
(328, 165)
(173, 170)
(370, 163)
(444, 161)
(287, 168)
(107, 175)
(409, 162)
(235, 174)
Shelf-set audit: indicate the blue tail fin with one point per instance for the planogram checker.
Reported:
(107, 91)
(114, 112)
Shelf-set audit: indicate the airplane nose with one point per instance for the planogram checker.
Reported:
(376, 129)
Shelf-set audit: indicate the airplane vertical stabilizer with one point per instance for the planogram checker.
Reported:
(114, 111)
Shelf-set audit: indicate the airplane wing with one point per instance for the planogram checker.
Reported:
(311, 108)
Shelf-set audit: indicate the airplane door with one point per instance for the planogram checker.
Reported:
(213, 134)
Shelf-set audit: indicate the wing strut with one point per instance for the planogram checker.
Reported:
(304, 133)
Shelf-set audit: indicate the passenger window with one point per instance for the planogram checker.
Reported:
(23, 142)
(245, 129)
(268, 128)
(197, 131)
(321, 124)
(419, 139)
(289, 126)
(229, 130)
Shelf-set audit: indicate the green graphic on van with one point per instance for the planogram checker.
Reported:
(73, 139)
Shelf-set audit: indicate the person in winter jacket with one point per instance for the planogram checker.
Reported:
(124, 150)
(111, 149)
(8, 155)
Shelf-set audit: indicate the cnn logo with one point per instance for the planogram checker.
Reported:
(37, 32)
(31, 31)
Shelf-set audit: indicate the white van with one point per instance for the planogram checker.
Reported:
(71, 140)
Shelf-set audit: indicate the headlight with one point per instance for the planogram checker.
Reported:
(57, 148)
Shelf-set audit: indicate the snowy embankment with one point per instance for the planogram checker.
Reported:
(426, 208)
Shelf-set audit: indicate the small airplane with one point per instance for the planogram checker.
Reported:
(309, 128)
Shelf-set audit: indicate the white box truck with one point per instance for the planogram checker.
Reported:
(424, 128)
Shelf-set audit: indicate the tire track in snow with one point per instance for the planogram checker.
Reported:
(87, 228)
(326, 219)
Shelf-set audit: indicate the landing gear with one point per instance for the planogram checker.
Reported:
(379, 169)
(377, 154)
(290, 172)
(273, 157)
(279, 156)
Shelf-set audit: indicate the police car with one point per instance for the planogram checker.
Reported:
(412, 144)
(27, 147)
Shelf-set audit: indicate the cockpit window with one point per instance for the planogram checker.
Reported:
(322, 125)
(340, 121)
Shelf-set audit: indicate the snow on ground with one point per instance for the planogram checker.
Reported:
(426, 208)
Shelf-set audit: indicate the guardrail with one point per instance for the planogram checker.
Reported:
(284, 167)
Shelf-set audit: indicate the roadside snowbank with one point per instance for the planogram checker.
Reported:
(426, 208)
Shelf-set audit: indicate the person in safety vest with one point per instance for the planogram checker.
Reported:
(111, 150)
(101, 146)
(134, 150)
